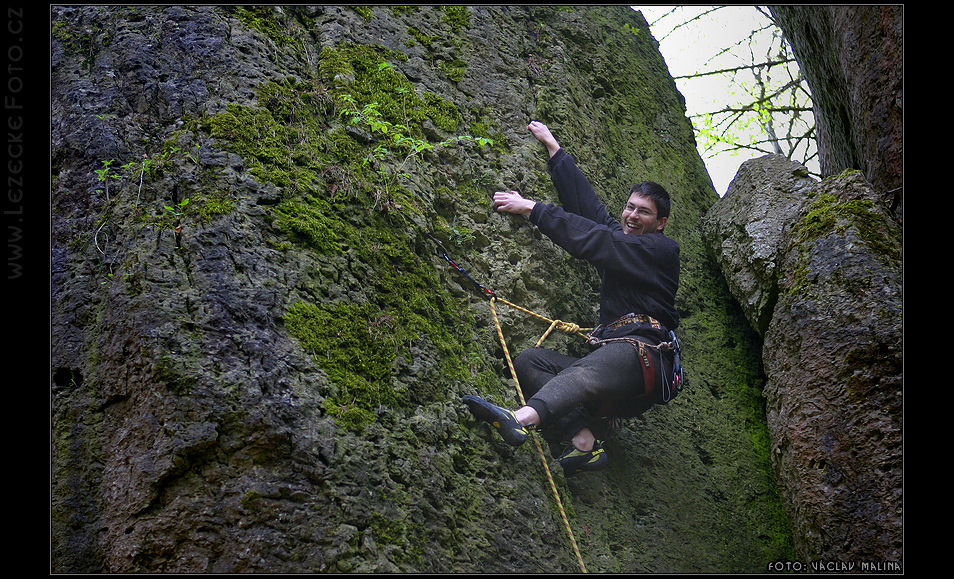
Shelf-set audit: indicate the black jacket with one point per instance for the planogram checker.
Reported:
(640, 273)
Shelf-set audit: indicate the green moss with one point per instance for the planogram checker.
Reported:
(249, 499)
(365, 73)
(73, 41)
(253, 134)
(481, 128)
(425, 39)
(741, 363)
(310, 223)
(830, 215)
(489, 383)
(169, 371)
(408, 287)
(82, 38)
(264, 19)
(399, 532)
(366, 12)
(443, 112)
(213, 206)
(457, 16)
(294, 139)
(359, 362)
(343, 148)
(390, 125)
(278, 245)
(404, 9)
(454, 69)
(282, 139)
(356, 344)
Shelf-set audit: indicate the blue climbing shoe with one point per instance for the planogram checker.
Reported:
(502, 419)
(576, 461)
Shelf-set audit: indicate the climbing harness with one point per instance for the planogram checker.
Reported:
(671, 383)
(676, 385)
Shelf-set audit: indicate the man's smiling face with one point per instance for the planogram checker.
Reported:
(639, 216)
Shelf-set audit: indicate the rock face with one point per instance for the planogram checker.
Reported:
(832, 352)
(834, 358)
(258, 349)
(853, 59)
(748, 229)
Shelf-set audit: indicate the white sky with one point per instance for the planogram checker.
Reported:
(687, 50)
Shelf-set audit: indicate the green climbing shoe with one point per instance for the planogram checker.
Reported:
(575, 461)
(502, 419)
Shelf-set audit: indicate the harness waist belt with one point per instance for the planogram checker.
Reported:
(632, 318)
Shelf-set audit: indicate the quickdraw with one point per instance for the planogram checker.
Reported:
(675, 387)
(485, 290)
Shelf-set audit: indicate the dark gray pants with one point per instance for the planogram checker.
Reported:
(570, 393)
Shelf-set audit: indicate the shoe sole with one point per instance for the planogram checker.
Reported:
(598, 461)
(496, 416)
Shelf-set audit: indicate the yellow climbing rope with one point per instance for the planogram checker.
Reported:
(565, 327)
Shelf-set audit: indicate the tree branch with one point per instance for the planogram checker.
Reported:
(788, 109)
(736, 69)
(687, 22)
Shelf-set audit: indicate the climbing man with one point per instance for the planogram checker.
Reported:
(639, 269)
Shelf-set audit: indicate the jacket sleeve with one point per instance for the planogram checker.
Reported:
(576, 194)
(604, 247)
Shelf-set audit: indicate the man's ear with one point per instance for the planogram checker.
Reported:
(662, 224)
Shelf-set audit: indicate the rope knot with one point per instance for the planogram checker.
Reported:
(567, 327)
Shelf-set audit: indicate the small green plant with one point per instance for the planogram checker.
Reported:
(176, 211)
(392, 157)
(460, 234)
(110, 276)
(169, 218)
(104, 175)
(194, 157)
(146, 166)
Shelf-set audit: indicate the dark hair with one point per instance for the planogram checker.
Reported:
(657, 193)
